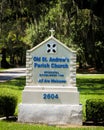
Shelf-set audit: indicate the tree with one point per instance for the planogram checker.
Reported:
(15, 15)
(94, 49)
(78, 23)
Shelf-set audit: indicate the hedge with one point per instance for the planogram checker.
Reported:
(95, 110)
(8, 103)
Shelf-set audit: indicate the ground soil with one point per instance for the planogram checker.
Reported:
(89, 70)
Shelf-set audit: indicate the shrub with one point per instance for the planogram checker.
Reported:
(95, 110)
(8, 103)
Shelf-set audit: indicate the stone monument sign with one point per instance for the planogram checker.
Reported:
(50, 95)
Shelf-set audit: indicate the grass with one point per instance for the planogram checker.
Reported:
(15, 86)
(20, 126)
(89, 86)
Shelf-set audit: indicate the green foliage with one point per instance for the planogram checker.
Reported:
(90, 86)
(15, 15)
(95, 110)
(8, 103)
(15, 87)
(85, 97)
(78, 24)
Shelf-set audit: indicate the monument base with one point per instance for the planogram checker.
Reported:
(53, 114)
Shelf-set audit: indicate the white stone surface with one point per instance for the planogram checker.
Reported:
(50, 95)
(36, 97)
(50, 114)
(40, 52)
